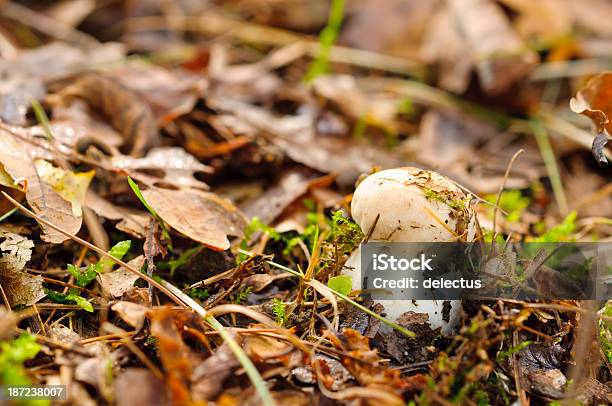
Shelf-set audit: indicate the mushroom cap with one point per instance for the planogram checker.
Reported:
(413, 205)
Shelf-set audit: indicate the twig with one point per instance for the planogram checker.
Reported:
(96, 249)
(501, 189)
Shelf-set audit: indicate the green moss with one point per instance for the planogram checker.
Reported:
(455, 204)
(512, 202)
(279, 311)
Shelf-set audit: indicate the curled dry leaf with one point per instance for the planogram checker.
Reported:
(594, 100)
(169, 94)
(127, 112)
(42, 198)
(116, 283)
(177, 165)
(202, 216)
(20, 287)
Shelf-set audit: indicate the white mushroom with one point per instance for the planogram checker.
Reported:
(412, 205)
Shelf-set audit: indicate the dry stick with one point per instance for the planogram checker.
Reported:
(96, 249)
(501, 190)
(5, 299)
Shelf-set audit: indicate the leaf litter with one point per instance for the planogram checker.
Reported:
(242, 163)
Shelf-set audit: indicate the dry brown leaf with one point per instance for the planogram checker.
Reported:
(268, 206)
(393, 27)
(174, 354)
(127, 112)
(202, 216)
(543, 20)
(177, 166)
(500, 56)
(41, 197)
(150, 390)
(132, 313)
(209, 376)
(63, 334)
(24, 75)
(20, 287)
(133, 222)
(444, 44)
(594, 100)
(169, 94)
(116, 283)
(297, 137)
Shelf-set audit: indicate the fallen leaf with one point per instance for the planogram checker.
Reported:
(127, 112)
(594, 100)
(25, 75)
(544, 21)
(63, 334)
(133, 222)
(297, 137)
(132, 313)
(41, 197)
(116, 283)
(202, 216)
(292, 184)
(444, 44)
(500, 56)
(209, 376)
(177, 166)
(174, 354)
(150, 390)
(169, 94)
(72, 186)
(392, 27)
(20, 287)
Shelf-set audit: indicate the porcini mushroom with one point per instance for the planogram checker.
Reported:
(412, 205)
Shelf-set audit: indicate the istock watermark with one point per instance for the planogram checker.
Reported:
(457, 270)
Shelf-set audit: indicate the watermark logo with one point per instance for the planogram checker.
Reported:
(459, 270)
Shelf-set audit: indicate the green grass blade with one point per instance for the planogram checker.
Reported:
(541, 136)
(42, 118)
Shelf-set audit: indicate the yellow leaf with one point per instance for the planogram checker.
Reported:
(69, 185)
(6, 180)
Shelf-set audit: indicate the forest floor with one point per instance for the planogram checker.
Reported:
(177, 180)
